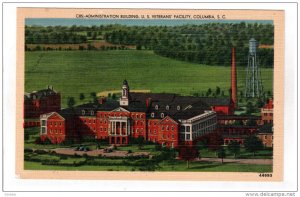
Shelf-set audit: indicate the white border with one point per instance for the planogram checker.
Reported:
(13, 183)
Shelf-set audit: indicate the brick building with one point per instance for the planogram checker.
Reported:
(267, 112)
(167, 119)
(41, 102)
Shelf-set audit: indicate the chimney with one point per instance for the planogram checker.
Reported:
(233, 79)
(148, 102)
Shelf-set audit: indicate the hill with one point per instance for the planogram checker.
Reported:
(75, 72)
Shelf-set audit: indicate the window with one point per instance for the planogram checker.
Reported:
(60, 131)
(43, 122)
(162, 115)
(50, 123)
(173, 136)
(178, 107)
(94, 121)
(167, 107)
(83, 112)
(60, 124)
(92, 113)
(265, 137)
(55, 124)
(152, 115)
(167, 128)
(43, 130)
(156, 107)
(162, 128)
(172, 128)
(154, 131)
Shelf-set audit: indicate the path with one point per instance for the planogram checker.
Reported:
(241, 161)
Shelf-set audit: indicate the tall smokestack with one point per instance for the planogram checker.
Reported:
(233, 79)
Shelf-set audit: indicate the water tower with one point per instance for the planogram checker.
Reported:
(254, 86)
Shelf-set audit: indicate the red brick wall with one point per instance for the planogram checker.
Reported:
(153, 130)
(138, 125)
(168, 132)
(56, 129)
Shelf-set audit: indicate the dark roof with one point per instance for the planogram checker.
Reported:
(212, 101)
(40, 93)
(173, 105)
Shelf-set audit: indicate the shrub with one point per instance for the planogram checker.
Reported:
(39, 151)
(28, 150)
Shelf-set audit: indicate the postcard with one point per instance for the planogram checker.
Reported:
(150, 94)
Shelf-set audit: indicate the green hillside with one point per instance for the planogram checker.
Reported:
(74, 72)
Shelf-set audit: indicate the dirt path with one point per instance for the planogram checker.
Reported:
(241, 161)
(115, 153)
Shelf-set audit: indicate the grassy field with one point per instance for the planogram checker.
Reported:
(178, 166)
(74, 72)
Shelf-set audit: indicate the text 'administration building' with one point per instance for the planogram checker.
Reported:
(167, 119)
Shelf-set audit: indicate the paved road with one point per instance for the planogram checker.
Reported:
(241, 161)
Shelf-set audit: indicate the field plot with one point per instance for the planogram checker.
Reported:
(75, 72)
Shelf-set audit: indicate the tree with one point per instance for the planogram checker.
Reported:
(234, 147)
(93, 94)
(259, 103)
(208, 92)
(81, 96)
(253, 144)
(249, 108)
(218, 91)
(188, 153)
(70, 102)
(215, 141)
(140, 141)
(221, 153)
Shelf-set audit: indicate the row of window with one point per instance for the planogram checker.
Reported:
(268, 114)
(167, 128)
(56, 131)
(90, 121)
(168, 107)
(83, 112)
(55, 124)
(167, 136)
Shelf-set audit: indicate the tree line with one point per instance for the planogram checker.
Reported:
(208, 44)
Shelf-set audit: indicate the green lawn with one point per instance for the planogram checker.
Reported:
(135, 148)
(262, 154)
(179, 166)
(74, 72)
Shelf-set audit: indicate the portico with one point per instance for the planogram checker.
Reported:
(119, 130)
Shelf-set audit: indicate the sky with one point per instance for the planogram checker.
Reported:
(129, 22)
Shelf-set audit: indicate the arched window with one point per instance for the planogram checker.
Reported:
(178, 107)
(152, 115)
(167, 107)
(162, 115)
(83, 112)
(92, 113)
(156, 107)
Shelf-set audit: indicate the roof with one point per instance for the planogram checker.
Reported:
(40, 93)
(155, 105)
